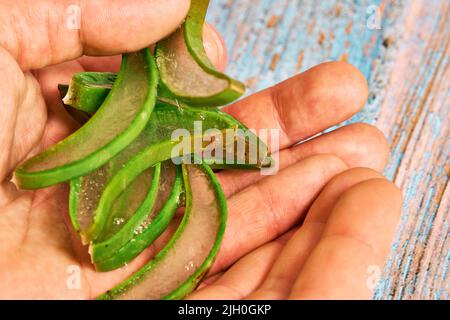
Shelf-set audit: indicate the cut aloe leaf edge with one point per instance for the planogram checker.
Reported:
(87, 90)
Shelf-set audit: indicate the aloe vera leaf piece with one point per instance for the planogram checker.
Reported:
(129, 211)
(86, 190)
(88, 90)
(179, 267)
(252, 142)
(167, 201)
(136, 200)
(95, 88)
(118, 122)
(186, 72)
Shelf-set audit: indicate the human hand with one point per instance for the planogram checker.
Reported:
(340, 204)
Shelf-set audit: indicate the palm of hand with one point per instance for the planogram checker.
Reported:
(347, 215)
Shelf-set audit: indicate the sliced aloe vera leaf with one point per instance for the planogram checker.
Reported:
(252, 144)
(186, 72)
(86, 190)
(82, 116)
(179, 267)
(129, 211)
(133, 203)
(167, 201)
(115, 125)
(88, 90)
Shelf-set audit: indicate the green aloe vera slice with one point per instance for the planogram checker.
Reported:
(130, 210)
(133, 203)
(88, 90)
(112, 254)
(118, 122)
(179, 267)
(86, 191)
(186, 73)
(95, 87)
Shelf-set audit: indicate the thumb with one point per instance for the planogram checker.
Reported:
(39, 33)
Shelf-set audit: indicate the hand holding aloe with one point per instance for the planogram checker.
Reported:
(33, 223)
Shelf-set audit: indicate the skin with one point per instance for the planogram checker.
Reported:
(311, 231)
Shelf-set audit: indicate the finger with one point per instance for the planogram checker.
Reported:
(212, 41)
(215, 47)
(286, 269)
(56, 31)
(22, 112)
(305, 104)
(245, 275)
(358, 145)
(357, 236)
(59, 124)
(272, 206)
(101, 64)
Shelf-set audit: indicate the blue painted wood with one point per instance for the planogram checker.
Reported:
(407, 64)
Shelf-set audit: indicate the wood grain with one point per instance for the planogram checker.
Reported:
(406, 61)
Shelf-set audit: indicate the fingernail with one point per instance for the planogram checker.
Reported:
(214, 47)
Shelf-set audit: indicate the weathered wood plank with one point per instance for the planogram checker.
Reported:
(407, 64)
(415, 117)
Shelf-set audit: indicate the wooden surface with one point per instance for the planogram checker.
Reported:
(407, 64)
